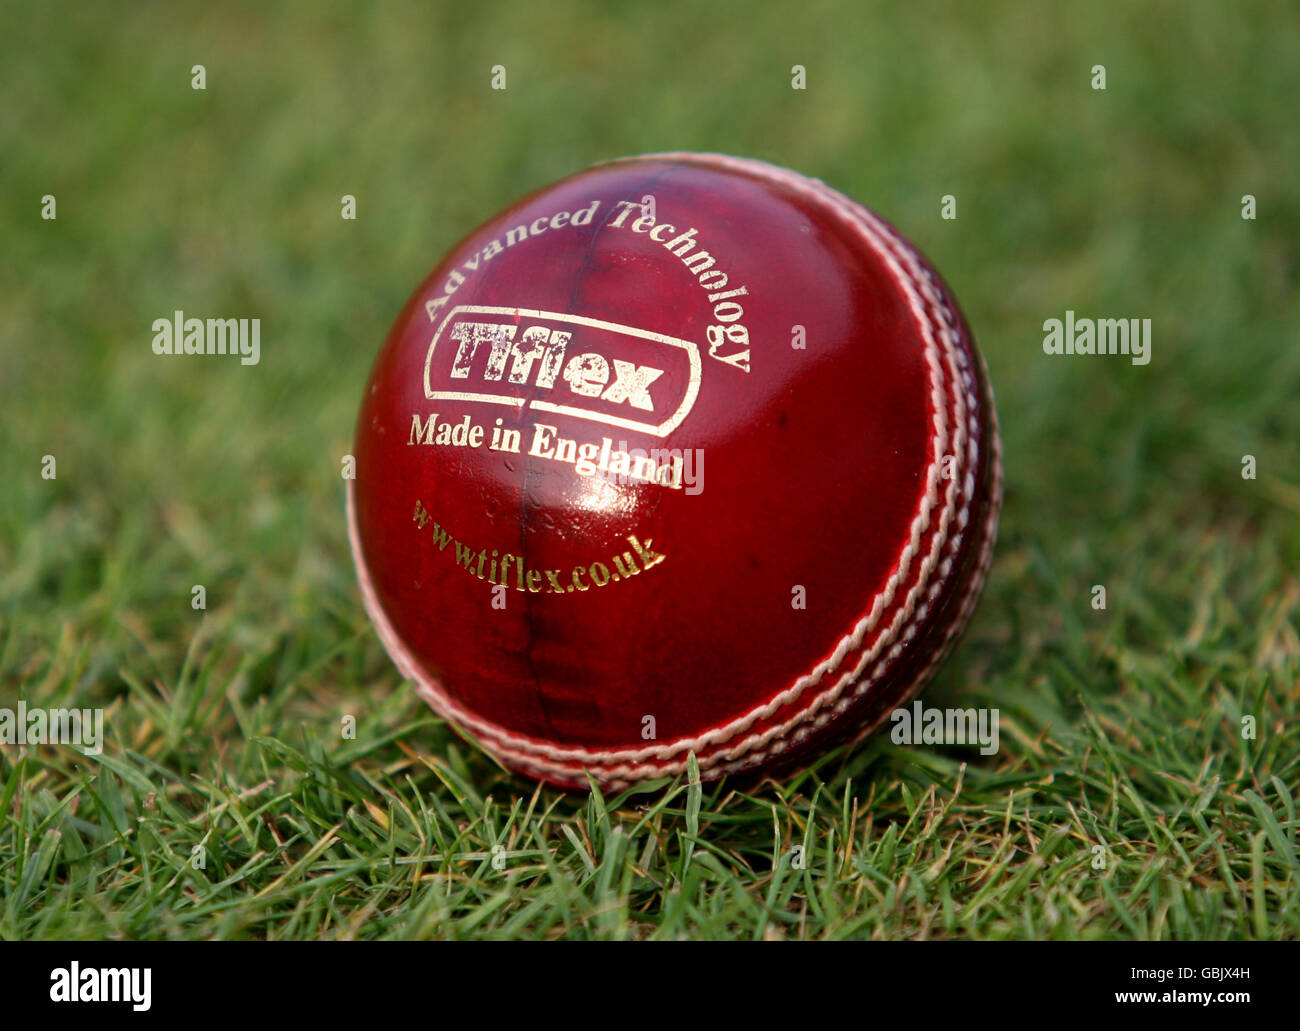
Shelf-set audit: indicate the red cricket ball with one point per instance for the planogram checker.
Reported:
(685, 453)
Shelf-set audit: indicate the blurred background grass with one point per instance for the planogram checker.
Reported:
(1119, 203)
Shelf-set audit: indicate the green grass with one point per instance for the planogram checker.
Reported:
(1121, 729)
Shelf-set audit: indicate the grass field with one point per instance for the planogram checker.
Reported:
(1124, 801)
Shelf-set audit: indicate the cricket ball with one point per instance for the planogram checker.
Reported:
(682, 454)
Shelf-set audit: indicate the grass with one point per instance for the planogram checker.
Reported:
(1124, 801)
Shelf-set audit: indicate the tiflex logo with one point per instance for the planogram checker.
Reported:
(567, 364)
